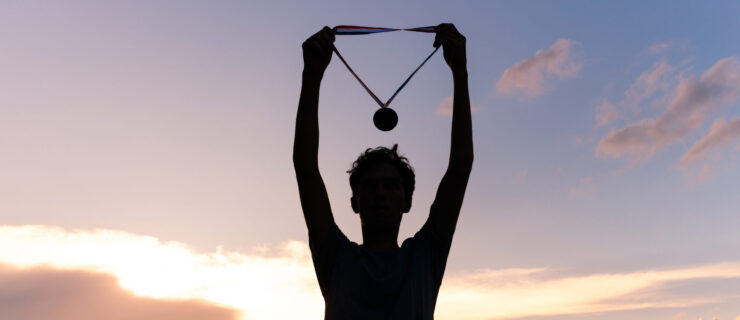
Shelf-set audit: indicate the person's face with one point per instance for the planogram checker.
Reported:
(380, 198)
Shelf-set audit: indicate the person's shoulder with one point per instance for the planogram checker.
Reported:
(427, 236)
(420, 235)
(335, 240)
(343, 242)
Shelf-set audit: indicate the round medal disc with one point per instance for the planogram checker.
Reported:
(385, 119)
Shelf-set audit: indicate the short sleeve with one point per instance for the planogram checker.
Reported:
(324, 260)
(437, 247)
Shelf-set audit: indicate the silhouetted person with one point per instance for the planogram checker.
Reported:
(377, 279)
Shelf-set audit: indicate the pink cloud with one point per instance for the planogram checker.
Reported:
(721, 134)
(605, 113)
(692, 99)
(700, 176)
(658, 48)
(445, 107)
(528, 76)
(44, 293)
(647, 84)
(679, 316)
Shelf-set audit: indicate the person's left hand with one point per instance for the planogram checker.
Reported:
(317, 51)
(453, 44)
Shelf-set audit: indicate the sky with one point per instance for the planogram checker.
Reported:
(146, 167)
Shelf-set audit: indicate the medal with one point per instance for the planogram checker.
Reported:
(385, 119)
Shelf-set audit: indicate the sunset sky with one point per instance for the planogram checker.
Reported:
(146, 168)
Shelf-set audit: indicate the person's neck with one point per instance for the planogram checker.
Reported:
(385, 242)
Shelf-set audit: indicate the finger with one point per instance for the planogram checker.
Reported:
(329, 32)
(313, 45)
(448, 28)
(311, 42)
(315, 39)
(332, 31)
(325, 39)
(444, 39)
(325, 32)
(318, 41)
(456, 33)
(447, 31)
(451, 39)
(318, 33)
(443, 26)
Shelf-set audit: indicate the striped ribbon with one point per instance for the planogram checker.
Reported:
(352, 30)
(357, 30)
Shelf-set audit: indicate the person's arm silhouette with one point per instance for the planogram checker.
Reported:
(448, 201)
(317, 52)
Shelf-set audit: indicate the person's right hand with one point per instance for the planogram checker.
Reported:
(317, 51)
(453, 44)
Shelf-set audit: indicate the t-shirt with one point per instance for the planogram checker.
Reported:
(358, 283)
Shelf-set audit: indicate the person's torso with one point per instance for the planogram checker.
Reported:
(369, 285)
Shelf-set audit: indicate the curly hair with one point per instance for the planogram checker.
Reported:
(372, 157)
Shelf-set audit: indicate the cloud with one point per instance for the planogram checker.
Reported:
(703, 175)
(658, 48)
(528, 76)
(256, 284)
(722, 133)
(605, 113)
(692, 100)
(679, 316)
(259, 284)
(445, 107)
(45, 293)
(497, 297)
(648, 83)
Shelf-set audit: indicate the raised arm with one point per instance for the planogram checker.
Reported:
(317, 51)
(446, 207)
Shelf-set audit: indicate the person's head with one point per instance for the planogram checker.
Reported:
(382, 184)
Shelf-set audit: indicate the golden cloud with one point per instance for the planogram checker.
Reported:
(82, 295)
(259, 284)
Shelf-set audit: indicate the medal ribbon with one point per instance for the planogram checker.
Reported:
(357, 30)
